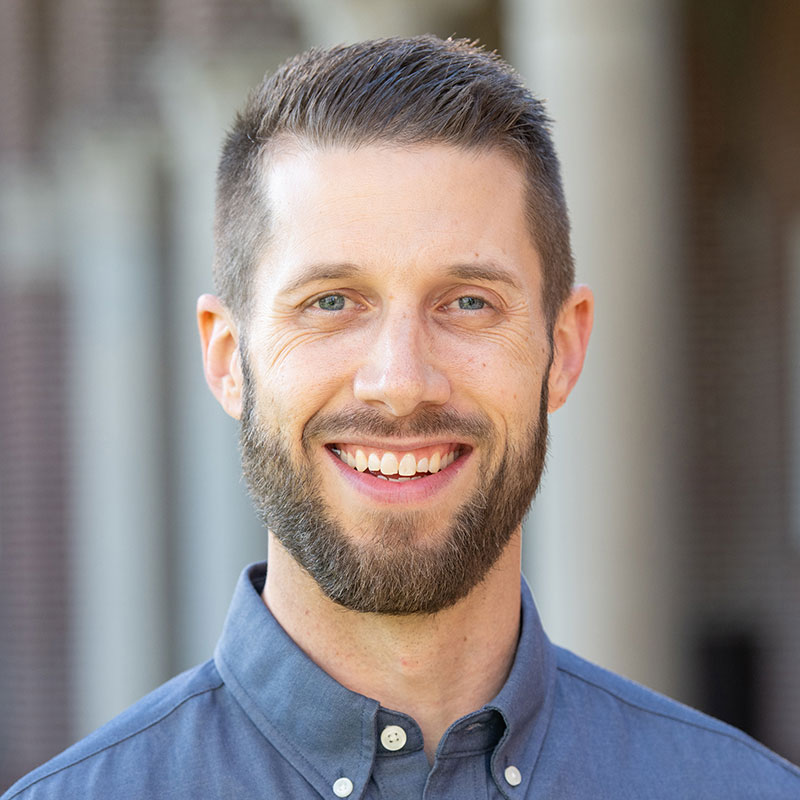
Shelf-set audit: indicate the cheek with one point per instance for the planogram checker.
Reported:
(504, 374)
(297, 375)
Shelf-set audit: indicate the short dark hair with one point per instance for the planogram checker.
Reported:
(400, 90)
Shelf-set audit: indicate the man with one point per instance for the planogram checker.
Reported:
(396, 317)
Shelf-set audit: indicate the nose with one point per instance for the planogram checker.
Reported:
(399, 373)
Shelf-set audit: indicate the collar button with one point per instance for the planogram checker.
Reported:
(393, 737)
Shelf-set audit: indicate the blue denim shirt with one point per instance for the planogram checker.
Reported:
(261, 720)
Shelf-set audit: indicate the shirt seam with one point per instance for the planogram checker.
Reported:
(395, 754)
(118, 741)
(740, 738)
(468, 753)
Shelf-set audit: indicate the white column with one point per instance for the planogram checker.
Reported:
(602, 546)
(328, 22)
(215, 531)
(116, 473)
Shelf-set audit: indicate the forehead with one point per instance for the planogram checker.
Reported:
(409, 209)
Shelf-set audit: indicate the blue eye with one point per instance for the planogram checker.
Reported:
(469, 303)
(331, 302)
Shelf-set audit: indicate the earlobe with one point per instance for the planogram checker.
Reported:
(219, 339)
(570, 340)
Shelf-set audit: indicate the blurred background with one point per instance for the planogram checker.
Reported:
(665, 543)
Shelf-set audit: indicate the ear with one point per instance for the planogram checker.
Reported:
(219, 338)
(570, 340)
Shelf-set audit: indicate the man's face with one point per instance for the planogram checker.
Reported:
(394, 421)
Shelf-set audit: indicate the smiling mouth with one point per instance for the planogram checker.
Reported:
(398, 466)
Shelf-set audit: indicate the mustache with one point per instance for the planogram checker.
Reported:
(426, 422)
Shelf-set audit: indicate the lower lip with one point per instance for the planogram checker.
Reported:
(405, 492)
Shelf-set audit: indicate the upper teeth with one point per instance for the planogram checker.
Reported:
(389, 463)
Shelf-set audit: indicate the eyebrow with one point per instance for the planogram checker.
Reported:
(482, 271)
(321, 272)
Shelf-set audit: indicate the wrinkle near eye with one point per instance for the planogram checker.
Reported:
(280, 346)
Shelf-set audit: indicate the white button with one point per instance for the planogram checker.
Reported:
(513, 776)
(393, 737)
(343, 787)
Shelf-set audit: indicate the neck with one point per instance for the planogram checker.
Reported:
(434, 667)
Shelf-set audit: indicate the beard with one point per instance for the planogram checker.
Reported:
(390, 563)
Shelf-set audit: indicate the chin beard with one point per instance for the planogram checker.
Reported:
(391, 564)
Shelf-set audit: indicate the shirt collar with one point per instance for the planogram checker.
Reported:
(328, 732)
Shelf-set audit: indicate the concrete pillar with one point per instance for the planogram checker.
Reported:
(116, 470)
(213, 530)
(329, 22)
(602, 544)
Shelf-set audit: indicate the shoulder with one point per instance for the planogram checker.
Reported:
(663, 738)
(136, 737)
